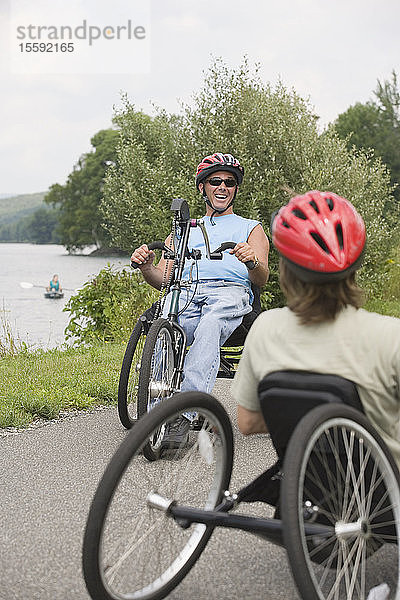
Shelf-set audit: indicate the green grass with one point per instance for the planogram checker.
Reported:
(44, 383)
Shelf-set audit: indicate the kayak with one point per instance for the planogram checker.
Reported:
(54, 295)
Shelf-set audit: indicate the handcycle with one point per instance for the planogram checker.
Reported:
(154, 358)
(335, 488)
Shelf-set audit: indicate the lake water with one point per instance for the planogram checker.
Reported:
(34, 319)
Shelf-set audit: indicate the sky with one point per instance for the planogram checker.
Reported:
(331, 53)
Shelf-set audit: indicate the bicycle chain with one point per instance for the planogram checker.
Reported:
(165, 285)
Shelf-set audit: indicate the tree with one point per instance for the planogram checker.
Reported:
(274, 133)
(138, 192)
(388, 97)
(38, 228)
(376, 125)
(80, 221)
(41, 227)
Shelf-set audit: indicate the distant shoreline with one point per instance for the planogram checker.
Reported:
(109, 252)
(112, 252)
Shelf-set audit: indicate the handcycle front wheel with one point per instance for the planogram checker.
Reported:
(129, 377)
(339, 473)
(133, 550)
(156, 376)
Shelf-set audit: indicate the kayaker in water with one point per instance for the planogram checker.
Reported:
(54, 285)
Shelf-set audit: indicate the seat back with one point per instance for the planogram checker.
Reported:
(286, 396)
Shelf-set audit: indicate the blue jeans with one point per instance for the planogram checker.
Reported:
(213, 314)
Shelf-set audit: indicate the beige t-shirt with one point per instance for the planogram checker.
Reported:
(361, 346)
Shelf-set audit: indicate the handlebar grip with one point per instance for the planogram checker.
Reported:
(229, 246)
(249, 264)
(226, 246)
(157, 245)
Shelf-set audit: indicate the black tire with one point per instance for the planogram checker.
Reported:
(156, 377)
(132, 549)
(338, 472)
(129, 377)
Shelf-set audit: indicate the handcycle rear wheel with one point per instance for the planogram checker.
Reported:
(338, 472)
(156, 376)
(132, 550)
(129, 376)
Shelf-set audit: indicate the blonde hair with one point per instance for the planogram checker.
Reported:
(317, 303)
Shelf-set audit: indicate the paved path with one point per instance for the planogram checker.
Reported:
(47, 478)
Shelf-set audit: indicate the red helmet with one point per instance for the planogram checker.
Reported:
(219, 162)
(321, 236)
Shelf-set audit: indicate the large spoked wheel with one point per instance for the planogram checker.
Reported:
(129, 377)
(133, 550)
(156, 377)
(338, 472)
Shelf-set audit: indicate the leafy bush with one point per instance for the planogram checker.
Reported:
(108, 306)
(273, 132)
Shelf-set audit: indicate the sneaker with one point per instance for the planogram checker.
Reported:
(176, 433)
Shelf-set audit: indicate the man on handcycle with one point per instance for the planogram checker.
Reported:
(320, 238)
(220, 293)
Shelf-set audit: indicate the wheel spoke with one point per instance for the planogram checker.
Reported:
(374, 483)
(131, 546)
(349, 471)
(315, 478)
(346, 572)
(320, 547)
(363, 572)
(327, 565)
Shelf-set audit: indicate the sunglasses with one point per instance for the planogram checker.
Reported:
(216, 181)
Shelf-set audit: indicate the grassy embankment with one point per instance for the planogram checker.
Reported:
(43, 384)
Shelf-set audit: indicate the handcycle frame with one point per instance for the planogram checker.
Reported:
(286, 388)
(360, 524)
(267, 528)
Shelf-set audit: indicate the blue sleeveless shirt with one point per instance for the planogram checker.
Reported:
(227, 228)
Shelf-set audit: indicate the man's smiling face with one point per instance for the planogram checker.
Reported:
(219, 195)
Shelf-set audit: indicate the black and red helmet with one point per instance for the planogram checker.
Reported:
(219, 162)
(320, 235)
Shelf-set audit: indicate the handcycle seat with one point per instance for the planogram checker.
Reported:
(230, 358)
(285, 398)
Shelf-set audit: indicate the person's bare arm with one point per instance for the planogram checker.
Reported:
(257, 245)
(250, 421)
(153, 274)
